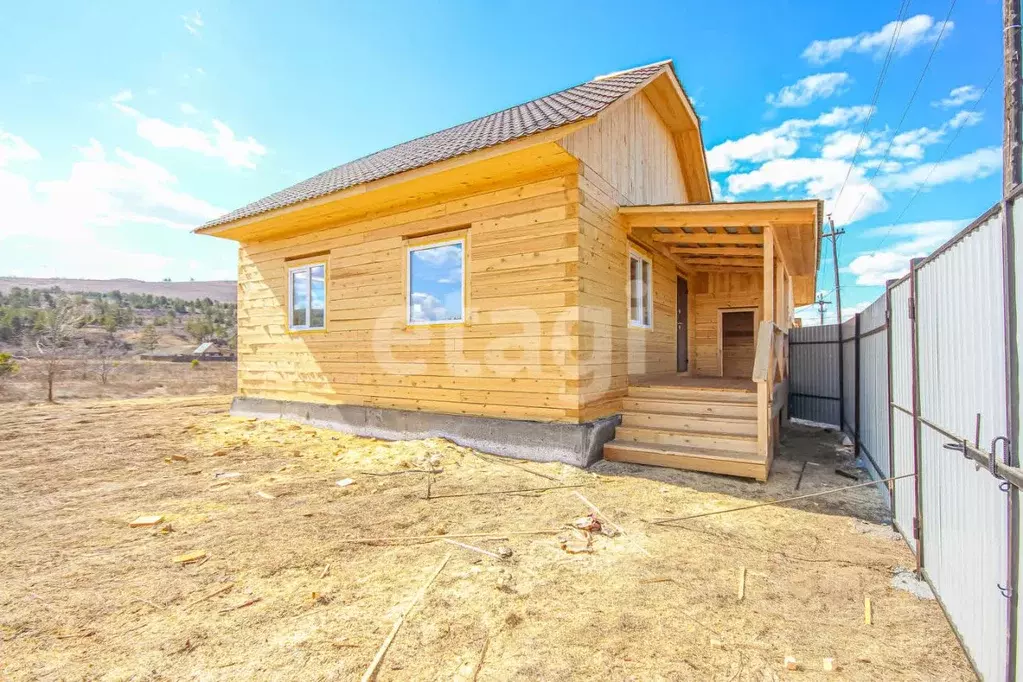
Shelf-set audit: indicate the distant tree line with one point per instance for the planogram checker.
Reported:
(27, 313)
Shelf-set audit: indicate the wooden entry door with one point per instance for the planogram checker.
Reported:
(737, 343)
(682, 332)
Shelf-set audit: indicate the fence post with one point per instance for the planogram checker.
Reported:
(1012, 426)
(918, 520)
(891, 399)
(856, 387)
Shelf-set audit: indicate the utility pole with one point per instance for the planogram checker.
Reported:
(1012, 174)
(820, 303)
(834, 235)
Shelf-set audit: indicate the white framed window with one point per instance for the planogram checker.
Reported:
(435, 275)
(641, 291)
(307, 297)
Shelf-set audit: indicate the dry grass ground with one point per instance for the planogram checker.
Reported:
(131, 378)
(84, 596)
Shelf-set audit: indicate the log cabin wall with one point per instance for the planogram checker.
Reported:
(710, 293)
(516, 357)
(629, 157)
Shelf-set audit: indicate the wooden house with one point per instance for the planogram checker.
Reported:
(552, 281)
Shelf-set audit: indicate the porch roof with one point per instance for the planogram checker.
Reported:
(730, 235)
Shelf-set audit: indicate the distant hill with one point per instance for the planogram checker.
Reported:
(221, 291)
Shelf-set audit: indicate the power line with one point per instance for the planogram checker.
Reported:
(903, 8)
(923, 183)
(905, 111)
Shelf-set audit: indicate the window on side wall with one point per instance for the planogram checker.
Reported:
(307, 286)
(436, 282)
(641, 297)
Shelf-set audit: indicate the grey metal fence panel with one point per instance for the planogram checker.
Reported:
(848, 330)
(961, 356)
(813, 364)
(902, 408)
(873, 378)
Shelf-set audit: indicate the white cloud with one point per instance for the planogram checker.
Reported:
(973, 166)
(193, 22)
(221, 143)
(957, 97)
(911, 144)
(808, 89)
(426, 307)
(874, 268)
(122, 96)
(818, 177)
(779, 142)
(966, 118)
(919, 30)
(99, 192)
(756, 147)
(14, 148)
(187, 109)
(842, 144)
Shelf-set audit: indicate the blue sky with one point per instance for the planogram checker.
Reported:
(122, 125)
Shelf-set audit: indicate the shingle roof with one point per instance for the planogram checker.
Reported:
(545, 113)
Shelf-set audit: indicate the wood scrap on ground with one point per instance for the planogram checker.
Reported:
(371, 672)
(190, 557)
(254, 600)
(142, 521)
(508, 492)
(223, 589)
(426, 538)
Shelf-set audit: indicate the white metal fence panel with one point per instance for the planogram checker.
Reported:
(873, 382)
(961, 360)
(902, 408)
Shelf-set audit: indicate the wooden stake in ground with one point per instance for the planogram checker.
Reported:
(867, 615)
(742, 582)
(371, 671)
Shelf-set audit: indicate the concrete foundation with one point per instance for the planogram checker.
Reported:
(577, 444)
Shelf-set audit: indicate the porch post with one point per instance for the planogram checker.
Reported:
(764, 387)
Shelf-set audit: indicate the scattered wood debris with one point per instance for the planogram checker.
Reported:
(265, 496)
(742, 582)
(226, 474)
(345, 482)
(868, 617)
(791, 663)
(371, 672)
(476, 549)
(190, 557)
(219, 591)
(179, 458)
(152, 520)
(254, 600)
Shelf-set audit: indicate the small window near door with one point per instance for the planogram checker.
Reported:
(641, 296)
(308, 297)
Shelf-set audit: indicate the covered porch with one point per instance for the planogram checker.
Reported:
(747, 265)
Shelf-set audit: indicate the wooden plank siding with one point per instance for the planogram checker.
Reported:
(517, 355)
(711, 292)
(628, 157)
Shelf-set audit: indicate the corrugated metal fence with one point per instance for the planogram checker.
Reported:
(922, 385)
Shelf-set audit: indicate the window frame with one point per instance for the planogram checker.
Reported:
(646, 301)
(412, 245)
(308, 268)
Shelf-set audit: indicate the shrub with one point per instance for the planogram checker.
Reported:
(8, 367)
(195, 363)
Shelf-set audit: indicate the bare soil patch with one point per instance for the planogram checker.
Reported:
(86, 596)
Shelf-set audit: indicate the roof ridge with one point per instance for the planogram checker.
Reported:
(635, 68)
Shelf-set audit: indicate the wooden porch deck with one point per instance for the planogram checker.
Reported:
(704, 424)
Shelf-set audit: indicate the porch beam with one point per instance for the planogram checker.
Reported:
(717, 251)
(707, 238)
(755, 262)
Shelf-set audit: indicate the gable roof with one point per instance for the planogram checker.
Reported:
(546, 113)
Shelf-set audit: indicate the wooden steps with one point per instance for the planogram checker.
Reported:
(700, 429)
